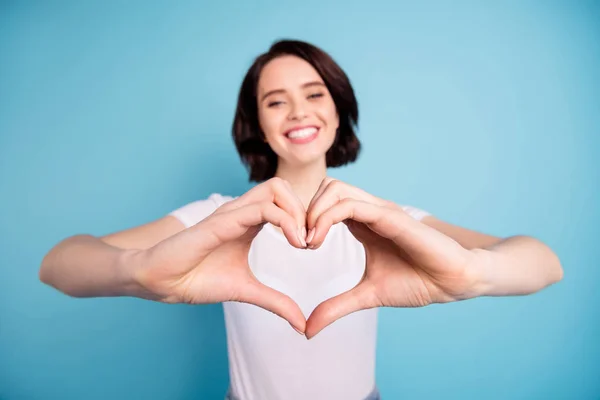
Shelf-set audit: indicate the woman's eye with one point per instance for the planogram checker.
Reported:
(315, 95)
(274, 103)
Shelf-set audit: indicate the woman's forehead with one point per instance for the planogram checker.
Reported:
(287, 72)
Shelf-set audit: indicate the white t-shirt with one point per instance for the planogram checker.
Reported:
(267, 358)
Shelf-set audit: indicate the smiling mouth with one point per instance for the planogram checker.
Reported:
(303, 135)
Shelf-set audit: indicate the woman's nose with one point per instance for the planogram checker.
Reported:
(297, 112)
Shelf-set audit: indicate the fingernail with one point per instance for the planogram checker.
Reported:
(297, 330)
(300, 237)
(304, 232)
(310, 235)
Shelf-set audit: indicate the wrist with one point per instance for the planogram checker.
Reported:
(130, 267)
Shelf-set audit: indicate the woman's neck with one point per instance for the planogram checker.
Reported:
(305, 180)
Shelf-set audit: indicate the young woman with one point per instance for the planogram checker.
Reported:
(277, 255)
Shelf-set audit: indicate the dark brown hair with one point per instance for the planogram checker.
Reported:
(255, 153)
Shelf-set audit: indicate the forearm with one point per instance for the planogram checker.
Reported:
(85, 266)
(518, 265)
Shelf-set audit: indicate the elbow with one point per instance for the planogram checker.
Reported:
(556, 272)
(49, 272)
(550, 268)
(48, 275)
(549, 262)
(43, 276)
(45, 273)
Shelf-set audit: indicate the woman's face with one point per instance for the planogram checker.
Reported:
(296, 111)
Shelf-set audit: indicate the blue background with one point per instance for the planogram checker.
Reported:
(114, 113)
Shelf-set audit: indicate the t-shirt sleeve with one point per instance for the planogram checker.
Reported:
(416, 213)
(194, 212)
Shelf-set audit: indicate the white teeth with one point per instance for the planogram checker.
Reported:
(301, 133)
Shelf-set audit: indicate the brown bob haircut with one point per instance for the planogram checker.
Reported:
(255, 153)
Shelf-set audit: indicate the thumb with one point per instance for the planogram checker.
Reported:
(361, 297)
(272, 300)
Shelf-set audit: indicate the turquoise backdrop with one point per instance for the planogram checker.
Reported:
(113, 113)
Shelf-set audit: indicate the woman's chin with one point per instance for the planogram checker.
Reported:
(305, 157)
(307, 161)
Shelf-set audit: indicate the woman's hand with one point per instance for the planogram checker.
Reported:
(208, 262)
(408, 264)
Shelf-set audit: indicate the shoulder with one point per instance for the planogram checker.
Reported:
(194, 212)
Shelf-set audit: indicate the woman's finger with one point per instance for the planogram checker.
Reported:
(272, 300)
(425, 246)
(324, 183)
(335, 192)
(343, 210)
(230, 225)
(361, 297)
(278, 192)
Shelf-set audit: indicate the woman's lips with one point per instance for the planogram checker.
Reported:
(304, 138)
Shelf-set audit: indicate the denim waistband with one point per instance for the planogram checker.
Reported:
(374, 395)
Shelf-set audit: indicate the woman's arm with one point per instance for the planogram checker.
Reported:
(415, 264)
(516, 265)
(205, 263)
(88, 266)
(467, 238)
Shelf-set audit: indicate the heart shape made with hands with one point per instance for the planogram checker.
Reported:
(408, 264)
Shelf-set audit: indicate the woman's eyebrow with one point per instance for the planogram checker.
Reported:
(304, 86)
(270, 92)
(313, 83)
